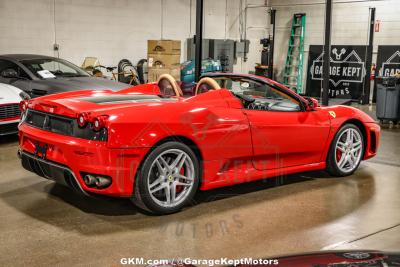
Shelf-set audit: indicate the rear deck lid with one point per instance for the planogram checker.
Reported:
(97, 103)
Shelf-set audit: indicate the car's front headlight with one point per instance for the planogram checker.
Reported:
(24, 96)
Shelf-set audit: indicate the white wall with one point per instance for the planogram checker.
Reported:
(26, 26)
(256, 25)
(349, 24)
(108, 29)
(116, 29)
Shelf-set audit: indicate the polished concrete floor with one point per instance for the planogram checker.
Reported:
(45, 224)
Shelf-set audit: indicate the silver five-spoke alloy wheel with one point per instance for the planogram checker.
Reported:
(348, 150)
(171, 178)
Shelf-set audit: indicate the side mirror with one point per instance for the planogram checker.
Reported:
(9, 73)
(312, 103)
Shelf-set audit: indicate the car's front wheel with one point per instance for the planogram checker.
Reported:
(168, 179)
(346, 151)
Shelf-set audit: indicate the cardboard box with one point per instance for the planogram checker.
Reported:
(169, 47)
(155, 73)
(163, 61)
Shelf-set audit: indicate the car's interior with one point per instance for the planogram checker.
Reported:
(254, 95)
(7, 66)
(57, 67)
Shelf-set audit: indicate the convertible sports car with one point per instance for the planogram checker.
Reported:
(153, 145)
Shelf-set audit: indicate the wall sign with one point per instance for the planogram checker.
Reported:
(387, 62)
(347, 71)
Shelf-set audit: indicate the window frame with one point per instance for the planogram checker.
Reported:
(19, 69)
(273, 87)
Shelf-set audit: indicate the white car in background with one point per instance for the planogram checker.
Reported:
(10, 113)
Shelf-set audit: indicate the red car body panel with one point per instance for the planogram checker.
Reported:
(235, 145)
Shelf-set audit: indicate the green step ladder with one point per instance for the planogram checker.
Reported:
(293, 73)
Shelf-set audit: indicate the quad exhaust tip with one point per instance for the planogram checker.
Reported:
(96, 181)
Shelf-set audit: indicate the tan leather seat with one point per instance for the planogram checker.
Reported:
(206, 84)
(168, 86)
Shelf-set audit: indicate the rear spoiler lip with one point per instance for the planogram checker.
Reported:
(51, 107)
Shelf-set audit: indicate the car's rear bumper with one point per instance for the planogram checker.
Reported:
(67, 159)
(50, 170)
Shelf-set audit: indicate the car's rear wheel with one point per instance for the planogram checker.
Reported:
(346, 151)
(168, 179)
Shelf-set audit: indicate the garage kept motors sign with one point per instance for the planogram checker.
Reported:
(347, 71)
(388, 61)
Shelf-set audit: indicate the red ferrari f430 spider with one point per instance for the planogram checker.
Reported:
(152, 144)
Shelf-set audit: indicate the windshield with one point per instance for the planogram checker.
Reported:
(48, 68)
(248, 87)
(258, 95)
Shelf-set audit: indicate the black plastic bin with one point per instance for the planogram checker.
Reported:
(388, 100)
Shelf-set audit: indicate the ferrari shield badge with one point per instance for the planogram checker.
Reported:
(332, 113)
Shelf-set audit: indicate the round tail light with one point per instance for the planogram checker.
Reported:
(23, 106)
(83, 119)
(99, 123)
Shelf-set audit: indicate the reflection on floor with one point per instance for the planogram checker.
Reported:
(45, 224)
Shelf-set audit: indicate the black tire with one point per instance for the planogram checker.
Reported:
(140, 70)
(331, 165)
(142, 197)
(123, 65)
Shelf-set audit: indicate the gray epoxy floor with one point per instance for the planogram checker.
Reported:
(45, 224)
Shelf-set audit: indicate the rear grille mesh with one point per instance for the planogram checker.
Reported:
(62, 125)
(9, 111)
